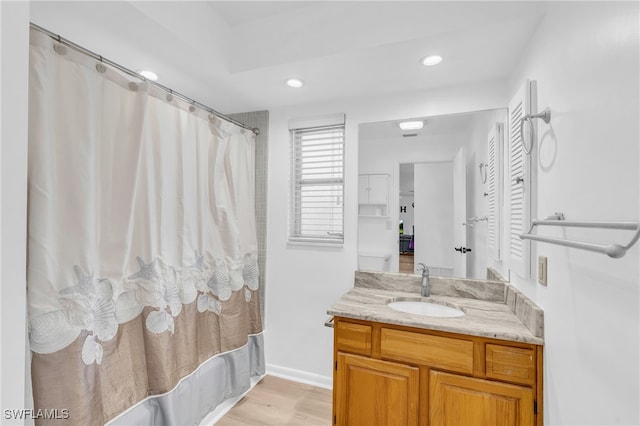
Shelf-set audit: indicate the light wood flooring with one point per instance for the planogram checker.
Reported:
(406, 264)
(278, 402)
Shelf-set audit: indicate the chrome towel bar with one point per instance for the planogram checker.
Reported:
(612, 250)
(472, 220)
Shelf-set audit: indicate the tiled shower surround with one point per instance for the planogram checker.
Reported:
(260, 120)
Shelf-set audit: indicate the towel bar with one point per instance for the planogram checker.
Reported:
(612, 250)
(472, 220)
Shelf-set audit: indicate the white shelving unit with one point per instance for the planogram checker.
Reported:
(373, 195)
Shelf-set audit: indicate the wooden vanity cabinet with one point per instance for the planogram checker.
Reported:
(388, 375)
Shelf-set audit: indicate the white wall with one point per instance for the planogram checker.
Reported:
(477, 205)
(14, 73)
(302, 282)
(585, 58)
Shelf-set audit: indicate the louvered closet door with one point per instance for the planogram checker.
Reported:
(519, 185)
(494, 199)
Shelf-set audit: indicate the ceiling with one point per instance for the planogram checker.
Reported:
(235, 56)
(242, 12)
(432, 126)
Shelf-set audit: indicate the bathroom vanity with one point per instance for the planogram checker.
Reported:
(397, 368)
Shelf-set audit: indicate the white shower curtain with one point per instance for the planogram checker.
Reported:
(142, 262)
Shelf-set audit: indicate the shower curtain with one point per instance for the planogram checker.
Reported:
(142, 251)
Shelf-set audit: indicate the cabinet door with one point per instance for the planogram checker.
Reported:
(460, 400)
(363, 189)
(370, 392)
(378, 189)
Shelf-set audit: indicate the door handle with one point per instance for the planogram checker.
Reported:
(462, 250)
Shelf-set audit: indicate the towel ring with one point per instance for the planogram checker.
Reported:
(545, 115)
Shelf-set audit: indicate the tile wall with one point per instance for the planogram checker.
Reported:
(260, 120)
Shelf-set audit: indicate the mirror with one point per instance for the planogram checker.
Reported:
(424, 194)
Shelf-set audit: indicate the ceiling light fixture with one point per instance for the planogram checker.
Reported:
(430, 61)
(149, 75)
(411, 125)
(295, 83)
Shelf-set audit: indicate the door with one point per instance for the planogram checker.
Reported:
(433, 216)
(460, 258)
(461, 400)
(371, 392)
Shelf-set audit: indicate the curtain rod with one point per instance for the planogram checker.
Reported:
(125, 70)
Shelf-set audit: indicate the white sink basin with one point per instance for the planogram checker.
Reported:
(425, 308)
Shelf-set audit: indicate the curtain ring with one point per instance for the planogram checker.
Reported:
(100, 66)
(170, 95)
(59, 47)
(192, 108)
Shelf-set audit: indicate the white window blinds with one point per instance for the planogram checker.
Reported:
(317, 191)
(494, 168)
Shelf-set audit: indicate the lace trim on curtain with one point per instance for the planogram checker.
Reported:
(94, 304)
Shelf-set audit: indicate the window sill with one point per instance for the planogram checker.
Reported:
(301, 244)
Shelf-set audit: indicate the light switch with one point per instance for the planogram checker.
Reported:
(542, 270)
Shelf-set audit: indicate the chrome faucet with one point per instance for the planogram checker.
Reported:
(425, 279)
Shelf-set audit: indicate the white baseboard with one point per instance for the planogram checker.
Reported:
(300, 376)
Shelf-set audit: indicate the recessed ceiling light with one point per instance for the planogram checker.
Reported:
(430, 61)
(149, 75)
(411, 125)
(295, 83)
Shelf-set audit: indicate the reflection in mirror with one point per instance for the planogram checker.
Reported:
(437, 199)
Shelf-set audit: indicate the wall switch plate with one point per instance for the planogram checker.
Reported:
(542, 270)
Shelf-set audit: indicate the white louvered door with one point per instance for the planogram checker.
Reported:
(494, 199)
(519, 184)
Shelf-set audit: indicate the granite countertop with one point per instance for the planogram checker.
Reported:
(492, 309)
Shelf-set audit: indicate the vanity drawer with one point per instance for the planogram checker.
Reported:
(435, 351)
(510, 364)
(351, 337)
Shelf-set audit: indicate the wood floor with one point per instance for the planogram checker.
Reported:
(406, 264)
(279, 402)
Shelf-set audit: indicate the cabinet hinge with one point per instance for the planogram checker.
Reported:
(336, 366)
(535, 407)
(334, 419)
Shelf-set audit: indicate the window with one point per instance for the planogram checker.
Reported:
(317, 191)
